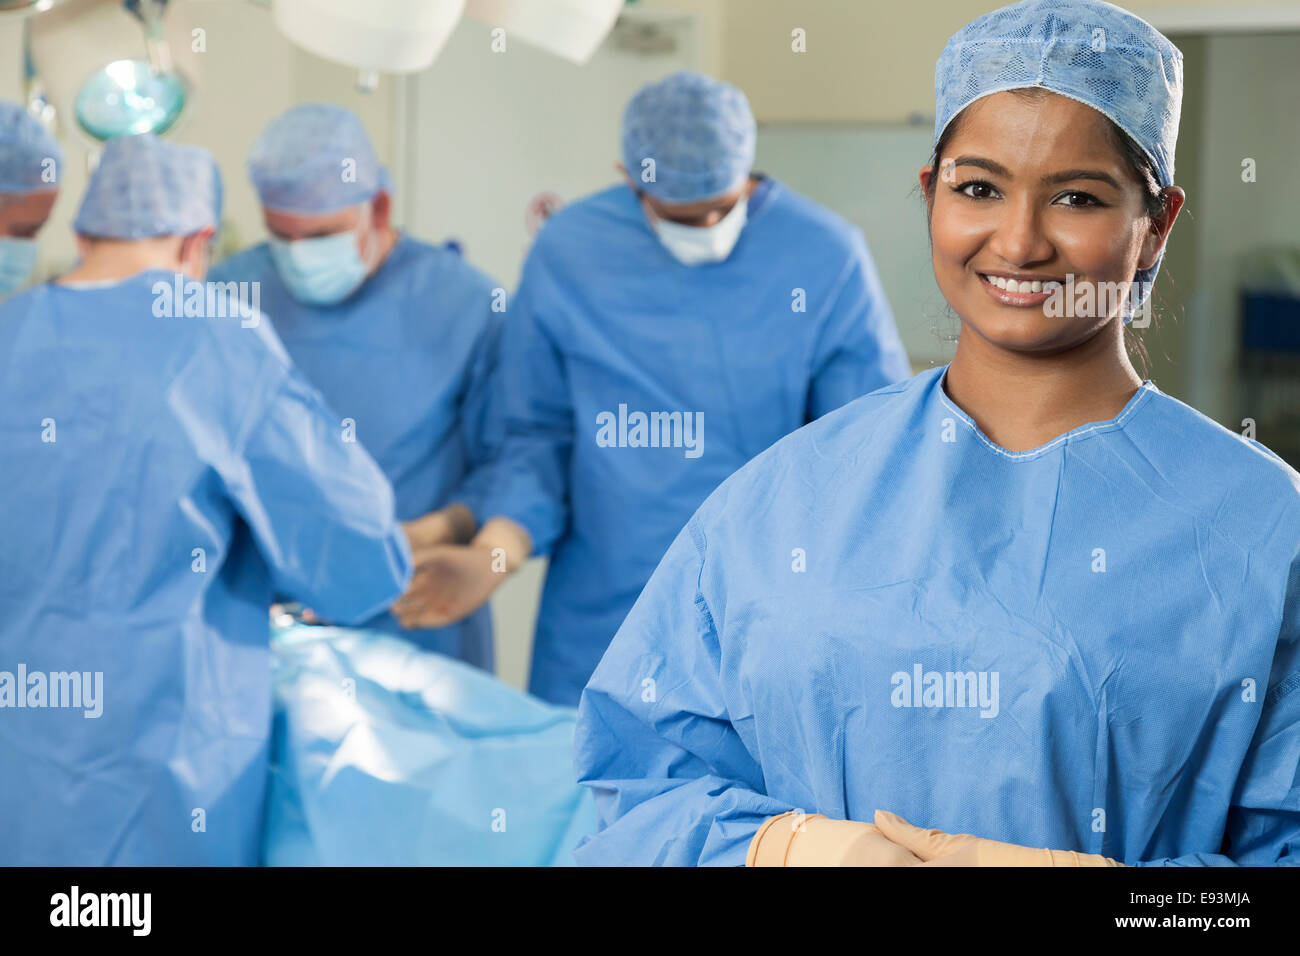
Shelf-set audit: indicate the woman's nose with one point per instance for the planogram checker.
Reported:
(1018, 237)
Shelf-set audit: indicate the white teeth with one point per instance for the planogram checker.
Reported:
(1014, 285)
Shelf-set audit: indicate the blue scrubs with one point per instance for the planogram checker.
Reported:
(408, 359)
(1093, 645)
(162, 476)
(610, 336)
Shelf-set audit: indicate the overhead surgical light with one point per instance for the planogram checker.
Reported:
(572, 29)
(126, 97)
(20, 7)
(110, 65)
(404, 36)
(393, 36)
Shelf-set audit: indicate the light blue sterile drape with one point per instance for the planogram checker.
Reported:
(608, 325)
(408, 360)
(162, 476)
(1093, 645)
(385, 754)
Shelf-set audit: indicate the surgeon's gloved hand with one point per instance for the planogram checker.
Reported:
(936, 848)
(453, 581)
(794, 839)
(453, 524)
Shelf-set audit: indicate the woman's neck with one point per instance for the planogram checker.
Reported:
(1023, 401)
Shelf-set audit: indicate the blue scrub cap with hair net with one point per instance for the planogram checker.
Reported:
(144, 187)
(315, 159)
(699, 131)
(30, 159)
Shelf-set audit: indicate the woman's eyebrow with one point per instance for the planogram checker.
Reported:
(1066, 175)
(996, 168)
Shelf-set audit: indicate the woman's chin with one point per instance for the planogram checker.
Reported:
(1025, 331)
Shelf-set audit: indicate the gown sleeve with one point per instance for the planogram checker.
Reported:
(480, 424)
(673, 781)
(859, 349)
(319, 508)
(533, 417)
(1263, 825)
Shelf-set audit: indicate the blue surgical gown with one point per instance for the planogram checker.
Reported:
(162, 476)
(1093, 645)
(608, 326)
(408, 358)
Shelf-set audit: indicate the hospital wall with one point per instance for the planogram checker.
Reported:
(871, 61)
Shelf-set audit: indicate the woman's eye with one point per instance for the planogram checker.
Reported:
(1075, 198)
(977, 190)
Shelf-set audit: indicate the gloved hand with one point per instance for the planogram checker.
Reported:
(452, 581)
(936, 848)
(453, 524)
(793, 839)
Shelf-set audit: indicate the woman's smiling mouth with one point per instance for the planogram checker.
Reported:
(1019, 291)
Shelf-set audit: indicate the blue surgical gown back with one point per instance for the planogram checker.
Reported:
(408, 359)
(609, 337)
(162, 475)
(1093, 645)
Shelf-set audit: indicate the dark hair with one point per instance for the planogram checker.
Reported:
(1140, 167)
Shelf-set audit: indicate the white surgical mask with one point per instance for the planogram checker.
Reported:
(697, 245)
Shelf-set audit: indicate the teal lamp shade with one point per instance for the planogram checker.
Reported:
(127, 97)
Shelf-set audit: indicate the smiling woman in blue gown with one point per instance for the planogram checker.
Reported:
(1026, 598)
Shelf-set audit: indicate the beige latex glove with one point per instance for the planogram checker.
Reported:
(453, 524)
(793, 839)
(937, 848)
(452, 581)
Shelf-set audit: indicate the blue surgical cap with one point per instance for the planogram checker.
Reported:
(315, 159)
(1093, 52)
(30, 159)
(144, 187)
(700, 133)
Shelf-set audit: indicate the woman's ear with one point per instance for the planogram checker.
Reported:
(1161, 225)
(925, 174)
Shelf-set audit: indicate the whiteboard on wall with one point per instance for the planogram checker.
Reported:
(867, 174)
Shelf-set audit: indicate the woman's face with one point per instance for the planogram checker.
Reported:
(1035, 190)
